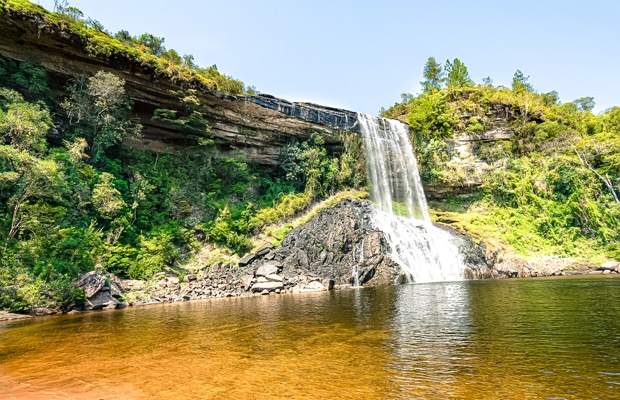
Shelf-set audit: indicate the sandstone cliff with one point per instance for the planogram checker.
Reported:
(258, 126)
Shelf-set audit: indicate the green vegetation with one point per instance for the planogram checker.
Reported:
(551, 189)
(73, 198)
(147, 51)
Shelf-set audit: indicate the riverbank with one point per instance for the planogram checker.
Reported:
(107, 291)
(322, 254)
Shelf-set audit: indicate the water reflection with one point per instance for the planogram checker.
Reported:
(490, 339)
(430, 337)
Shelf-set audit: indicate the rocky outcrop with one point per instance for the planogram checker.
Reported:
(505, 264)
(334, 243)
(464, 147)
(102, 291)
(258, 126)
(7, 316)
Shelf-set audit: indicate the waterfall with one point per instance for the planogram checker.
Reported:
(355, 272)
(424, 252)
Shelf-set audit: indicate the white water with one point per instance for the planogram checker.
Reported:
(355, 273)
(424, 252)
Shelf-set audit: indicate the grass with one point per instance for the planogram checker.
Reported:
(274, 233)
(515, 231)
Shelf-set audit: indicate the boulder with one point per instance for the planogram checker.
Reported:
(612, 266)
(42, 311)
(269, 286)
(264, 249)
(314, 286)
(274, 278)
(100, 301)
(269, 268)
(115, 290)
(91, 283)
(7, 316)
(247, 259)
(246, 281)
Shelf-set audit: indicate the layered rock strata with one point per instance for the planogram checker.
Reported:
(257, 126)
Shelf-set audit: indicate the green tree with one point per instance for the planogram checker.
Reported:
(107, 200)
(520, 83)
(24, 179)
(457, 74)
(172, 57)
(152, 43)
(551, 98)
(522, 90)
(101, 111)
(23, 125)
(585, 104)
(433, 76)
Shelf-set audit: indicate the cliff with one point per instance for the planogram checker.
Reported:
(257, 125)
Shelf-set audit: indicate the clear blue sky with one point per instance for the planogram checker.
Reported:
(362, 55)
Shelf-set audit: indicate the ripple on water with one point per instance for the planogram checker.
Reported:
(483, 339)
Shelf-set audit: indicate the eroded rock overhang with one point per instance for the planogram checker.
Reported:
(257, 126)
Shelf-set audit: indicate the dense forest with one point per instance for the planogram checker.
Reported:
(74, 198)
(550, 189)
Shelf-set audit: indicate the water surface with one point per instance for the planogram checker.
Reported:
(507, 339)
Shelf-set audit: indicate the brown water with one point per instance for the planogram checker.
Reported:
(509, 339)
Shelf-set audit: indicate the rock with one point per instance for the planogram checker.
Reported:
(246, 280)
(247, 259)
(91, 283)
(115, 290)
(366, 274)
(42, 311)
(264, 249)
(328, 283)
(329, 245)
(189, 278)
(274, 278)
(264, 292)
(102, 300)
(613, 266)
(7, 316)
(134, 284)
(269, 286)
(269, 268)
(314, 286)
(270, 256)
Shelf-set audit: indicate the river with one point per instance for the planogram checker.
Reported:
(544, 338)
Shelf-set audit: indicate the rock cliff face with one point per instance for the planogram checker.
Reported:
(258, 126)
(464, 147)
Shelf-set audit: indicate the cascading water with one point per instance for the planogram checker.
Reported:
(424, 252)
(356, 268)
